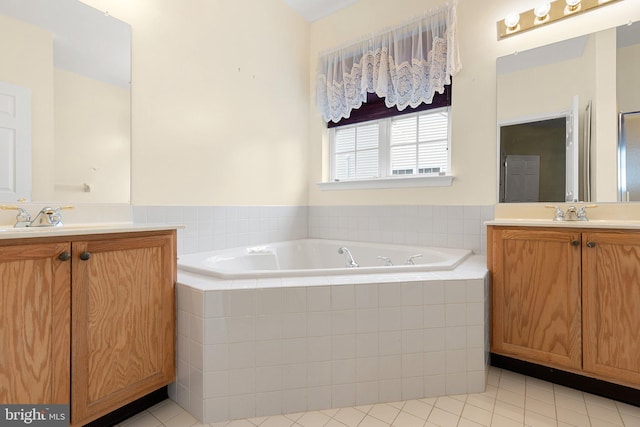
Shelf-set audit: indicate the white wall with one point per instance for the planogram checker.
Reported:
(474, 159)
(92, 134)
(219, 99)
(30, 50)
(197, 140)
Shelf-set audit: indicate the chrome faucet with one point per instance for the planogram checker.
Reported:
(411, 258)
(386, 259)
(351, 263)
(47, 217)
(572, 213)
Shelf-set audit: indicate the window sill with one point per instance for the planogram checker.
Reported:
(395, 182)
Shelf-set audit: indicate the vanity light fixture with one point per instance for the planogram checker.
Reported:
(511, 21)
(573, 5)
(544, 13)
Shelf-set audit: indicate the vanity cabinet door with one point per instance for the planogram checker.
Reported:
(34, 323)
(611, 305)
(536, 295)
(123, 321)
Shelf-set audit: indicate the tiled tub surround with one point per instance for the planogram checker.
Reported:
(221, 227)
(252, 348)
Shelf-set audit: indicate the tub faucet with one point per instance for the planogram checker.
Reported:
(411, 258)
(351, 263)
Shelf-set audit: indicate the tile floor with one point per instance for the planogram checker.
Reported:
(510, 400)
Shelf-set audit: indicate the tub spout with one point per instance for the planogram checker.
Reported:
(351, 263)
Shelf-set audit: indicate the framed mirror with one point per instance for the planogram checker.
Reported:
(573, 81)
(66, 82)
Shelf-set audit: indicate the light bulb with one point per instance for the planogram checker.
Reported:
(511, 20)
(573, 4)
(542, 10)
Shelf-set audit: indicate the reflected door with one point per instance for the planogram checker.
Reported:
(629, 146)
(522, 179)
(15, 142)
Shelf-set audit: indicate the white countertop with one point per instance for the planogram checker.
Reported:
(8, 232)
(597, 223)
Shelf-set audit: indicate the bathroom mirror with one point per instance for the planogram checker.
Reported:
(562, 81)
(628, 95)
(72, 65)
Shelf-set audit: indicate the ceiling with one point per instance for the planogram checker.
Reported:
(313, 10)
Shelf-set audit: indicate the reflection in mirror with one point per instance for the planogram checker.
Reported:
(74, 63)
(532, 161)
(538, 122)
(628, 95)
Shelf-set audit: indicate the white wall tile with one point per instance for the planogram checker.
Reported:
(390, 319)
(216, 384)
(294, 401)
(434, 363)
(216, 357)
(319, 374)
(343, 371)
(434, 339)
(367, 345)
(343, 395)
(294, 350)
(319, 298)
(367, 320)
(216, 410)
(390, 295)
(455, 292)
(434, 385)
(343, 322)
(268, 327)
(242, 406)
(318, 323)
(318, 398)
(319, 349)
(268, 353)
(294, 325)
(242, 355)
(343, 297)
(367, 393)
(343, 347)
(294, 376)
(269, 403)
(242, 381)
(390, 390)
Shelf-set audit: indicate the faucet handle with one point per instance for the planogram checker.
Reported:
(559, 213)
(582, 213)
(386, 259)
(411, 258)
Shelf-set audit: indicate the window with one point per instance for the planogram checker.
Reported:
(410, 145)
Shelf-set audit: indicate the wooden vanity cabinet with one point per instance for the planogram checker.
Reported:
(35, 292)
(536, 295)
(611, 305)
(567, 298)
(87, 320)
(123, 321)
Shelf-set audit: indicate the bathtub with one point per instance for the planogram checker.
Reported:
(287, 327)
(319, 257)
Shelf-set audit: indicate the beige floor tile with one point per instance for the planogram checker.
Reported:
(480, 416)
(405, 419)
(417, 408)
(277, 421)
(143, 419)
(183, 419)
(450, 405)
(535, 419)
(370, 421)
(313, 419)
(500, 421)
(441, 417)
(350, 417)
(165, 410)
(510, 411)
(384, 412)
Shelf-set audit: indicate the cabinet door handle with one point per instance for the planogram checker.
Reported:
(84, 256)
(64, 256)
(591, 244)
(575, 243)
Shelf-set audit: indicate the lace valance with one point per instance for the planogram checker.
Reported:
(405, 65)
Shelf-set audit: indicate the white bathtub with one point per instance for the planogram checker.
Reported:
(318, 257)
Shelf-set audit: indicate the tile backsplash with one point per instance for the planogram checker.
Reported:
(220, 227)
